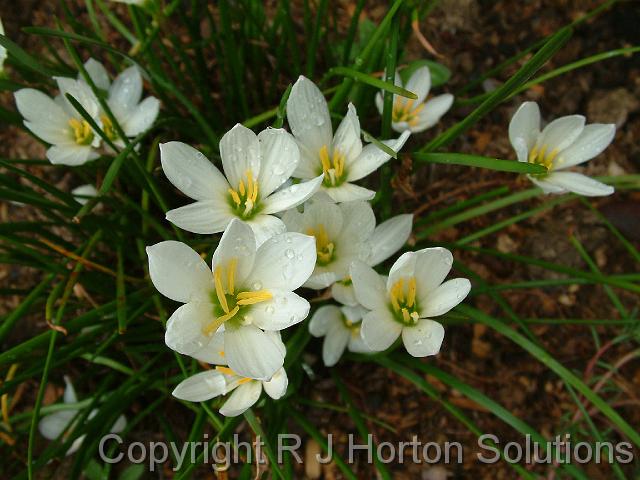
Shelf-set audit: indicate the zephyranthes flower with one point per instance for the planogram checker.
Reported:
(83, 193)
(413, 293)
(53, 425)
(222, 380)
(123, 97)
(247, 292)
(416, 115)
(344, 233)
(58, 123)
(341, 157)
(340, 327)
(563, 143)
(255, 166)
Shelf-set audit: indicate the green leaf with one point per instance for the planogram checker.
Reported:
(370, 80)
(439, 73)
(481, 162)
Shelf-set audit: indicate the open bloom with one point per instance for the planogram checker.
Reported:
(344, 233)
(341, 157)
(222, 380)
(61, 423)
(83, 193)
(57, 122)
(123, 97)
(247, 292)
(563, 143)
(340, 327)
(413, 293)
(254, 165)
(416, 115)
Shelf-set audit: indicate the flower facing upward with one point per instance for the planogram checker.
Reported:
(123, 97)
(414, 292)
(563, 143)
(247, 292)
(59, 124)
(416, 115)
(344, 233)
(340, 327)
(222, 380)
(254, 165)
(341, 157)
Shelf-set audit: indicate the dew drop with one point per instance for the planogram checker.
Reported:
(270, 309)
(289, 253)
(257, 286)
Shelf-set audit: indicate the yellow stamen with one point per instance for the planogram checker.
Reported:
(231, 274)
(235, 197)
(405, 315)
(241, 188)
(221, 353)
(81, 131)
(226, 370)
(411, 296)
(250, 298)
(541, 157)
(222, 299)
(324, 158)
(213, 326)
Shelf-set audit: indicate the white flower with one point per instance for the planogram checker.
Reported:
(83, 193)
(53, 425)
(139, 3)
(255, 166)
(246, 292)
(416, 115)
(123, 97)
(341, 157)
(57, 122)
(563, 143)
(344, 233)
(414, 293)
(222, 380)
(341, 328)
(3, 51)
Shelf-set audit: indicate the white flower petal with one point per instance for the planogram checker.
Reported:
(561, 133)
(348, 192)
(379, 330)
(282, 311)
(323, 318)
(52, 426)
(178, 272)
(524, 129)
(323, 212)
(125, 92)
(82, 193)
(44, 114)
(211, 216)
(119, 425)
(424, 338)
(309, 165)
(185, 327)
(322, 279)
(403, 267)
(432, 267)
(72, 155)
(369, 287)
(334, 343)
(284, 262)
(142, 116)
(237, 242)
(251, 352)
(58, 133)
(81, 92)
(69, 392)
(277, 386)
(389, 237)
(444, 298)
(420, 83)
(344, 294)
(578, 183)
(241, 399)
(97, 73)
(280, 157)
(591, 142)
(346, 140)
(201, 387)
(373, 157)
(191, 173)
(546, 187)
(240, 152)
(266, 226)
(359, 222)
(356, 345)
(212, 352)
(308, 116)
(292, 196)
(432, 112)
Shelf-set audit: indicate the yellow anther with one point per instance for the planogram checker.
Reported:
(235, 197)
(213, 326)
(231, 274)
(250, 298)
(221, 353)
(324, 158)
(247, 194)
(226, 370)
(394, 300)
(405, 315)
(324, 246)
(541, 157)
(107, 127)
(222, 298)
(411, 295)
(81, 131)
(241, 188)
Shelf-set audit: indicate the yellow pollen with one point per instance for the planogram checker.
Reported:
(250, 298)
(107, 127)
(231, 274)
(82, 132)
(324, 158)
(404, 111)
(541, 157)
(221, 353)
(241, 188)
(332, 165)
(234, 196)
(228, 371)
(213, 326)
(402, 295)
(246, 194)
(405, 315)
(324, 246)
(411, 296)
(222, 298)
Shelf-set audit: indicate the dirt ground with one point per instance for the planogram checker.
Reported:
(473, 36)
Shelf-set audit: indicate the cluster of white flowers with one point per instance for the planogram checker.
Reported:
(73, 141)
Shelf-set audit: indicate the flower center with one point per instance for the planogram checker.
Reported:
(403, 111)
(228, 371)
(107, 128)
(332, 167)
(244, 199)
(229, 302)
(353, 327)
(403, 301)
(542, 157)
(82, 133)
(325, 248)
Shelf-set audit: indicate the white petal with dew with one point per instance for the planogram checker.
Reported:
(524, 129)
(432, 112)
(323, 318)
(334, 343)
(369, 287)
(561, 133)
(185, 327)
(591, 142)
(419, 83)
(201, 387)
(424, 338)
(209, 216)
(292, 196)
(97, 73)
(251, 352)
(238, 245)
(280, 157)
(308, 116)
(241, 399)
(141, 118)
(277, 386)
(240, 152)
(444, 298)
(282, 311)
(379, 330)
(373, 157)
(125, 92)
(578, 183)
(346, 140)
(389, 237)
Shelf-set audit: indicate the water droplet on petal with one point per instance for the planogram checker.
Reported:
(257, 286)
(270, 309)
(289, 253)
